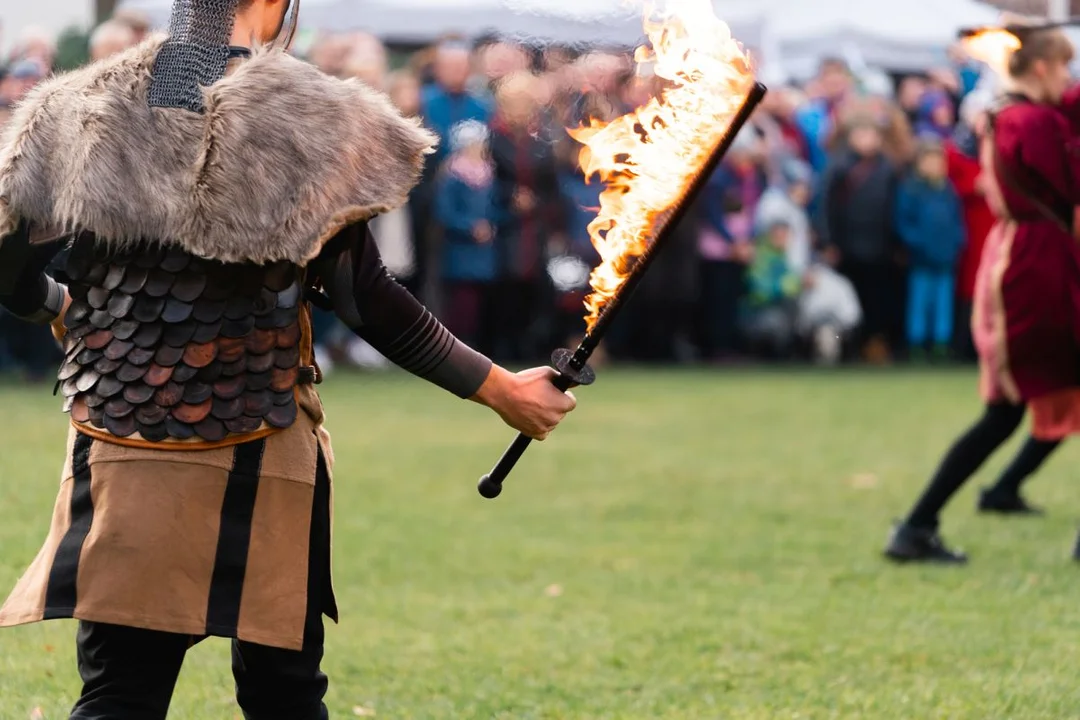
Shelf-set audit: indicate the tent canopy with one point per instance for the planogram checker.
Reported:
(903, 36)
(791, 35)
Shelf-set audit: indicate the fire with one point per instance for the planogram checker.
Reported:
(993, 46)
(649, 157)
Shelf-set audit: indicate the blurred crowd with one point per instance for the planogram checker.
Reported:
(845, 224)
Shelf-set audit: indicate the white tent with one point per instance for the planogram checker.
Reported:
(900, 35)
(604, 22)
(790, 35)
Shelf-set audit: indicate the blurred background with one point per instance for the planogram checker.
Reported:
(857, 170)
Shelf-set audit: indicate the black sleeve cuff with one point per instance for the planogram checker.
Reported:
(430, 351)
(462, 372)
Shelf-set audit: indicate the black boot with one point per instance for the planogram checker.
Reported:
(1076, 550)
(1006, 503)
(908, 543)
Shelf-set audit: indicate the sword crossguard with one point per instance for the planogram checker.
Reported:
(490, 486)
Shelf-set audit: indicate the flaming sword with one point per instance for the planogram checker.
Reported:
(655, 161)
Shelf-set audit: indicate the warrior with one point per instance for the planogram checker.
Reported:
(1026, 320)
(208, 189)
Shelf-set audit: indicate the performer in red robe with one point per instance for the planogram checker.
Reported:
(966, 175)
(1026, 319)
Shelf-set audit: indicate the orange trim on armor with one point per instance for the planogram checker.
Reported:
(136, 441)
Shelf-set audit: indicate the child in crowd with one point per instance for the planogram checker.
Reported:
(930, 222)
(770, 306)
(726, 241)
(788, 199)
(464, 207)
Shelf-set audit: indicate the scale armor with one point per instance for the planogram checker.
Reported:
(166, 346)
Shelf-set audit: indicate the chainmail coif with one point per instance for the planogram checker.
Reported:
(195, 55)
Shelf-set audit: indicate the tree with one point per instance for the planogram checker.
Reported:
(72, 49)
(103, 9)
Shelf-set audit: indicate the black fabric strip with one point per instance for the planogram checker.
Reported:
(61, 593)
(406, 345)
(234, 539)
(463, 372)
(437, 355)
(409, 334)
(429, 345)
(422, 355)
(321, 600)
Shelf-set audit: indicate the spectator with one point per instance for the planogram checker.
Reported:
(465, 210)
(36, 44)
(930, 223)
(403, 87)
(725, 244)
(787, 201)
(962, 155)
(367, 61)
(818, 118)
(20, 78)
(134, 19)
(446, 102)
(909, 95)
(526, 209)
(858, 230)
(898, 142)
(936, 115)
(829, 312)
(770, 307)
(967, 70)
(443, 104)
(111, 38)
(496, 61)
(777, 119)
(395, 231)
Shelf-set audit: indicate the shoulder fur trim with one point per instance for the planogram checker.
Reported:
(283, 157)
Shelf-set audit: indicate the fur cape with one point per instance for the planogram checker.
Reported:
(283, 158)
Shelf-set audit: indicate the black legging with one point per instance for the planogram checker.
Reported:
(968, 454)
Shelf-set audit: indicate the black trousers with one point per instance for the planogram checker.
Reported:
(871, 282)
(722, 285)
(130, 674)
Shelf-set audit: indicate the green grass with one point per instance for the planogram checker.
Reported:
(688, 545)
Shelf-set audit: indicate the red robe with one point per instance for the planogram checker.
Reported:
(979, 219)
(1026, 322)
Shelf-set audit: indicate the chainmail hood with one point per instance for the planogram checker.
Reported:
(195, 55)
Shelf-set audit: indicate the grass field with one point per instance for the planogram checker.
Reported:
(688, 545)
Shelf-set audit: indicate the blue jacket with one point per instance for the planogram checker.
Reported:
(581, 202)
(815, 121)
(458, 207)
(930, 221)
(442, 111)
(723, 195)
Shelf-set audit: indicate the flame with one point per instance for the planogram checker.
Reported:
(649, 157)
(993, 46)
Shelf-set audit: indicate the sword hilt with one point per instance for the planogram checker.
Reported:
(490, 486)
